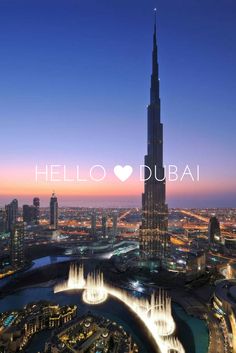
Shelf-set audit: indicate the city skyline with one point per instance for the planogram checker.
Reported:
(117, 175)
(49, 112)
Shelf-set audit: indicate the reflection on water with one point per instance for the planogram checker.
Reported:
(192, 332)
(41, 262)
(112, 309)
(196, 328)
(48, 260)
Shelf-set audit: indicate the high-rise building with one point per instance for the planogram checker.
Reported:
(2, 221)
(114, 225)
(104, 226)
(214, 233)
(29, 214)
(93, 224)
(26, 213)
(154, 239)
(53, 212)
(36, 203)
(17, 245)
(11, 214)
(9, 220)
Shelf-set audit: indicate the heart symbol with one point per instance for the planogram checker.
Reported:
(123, 173)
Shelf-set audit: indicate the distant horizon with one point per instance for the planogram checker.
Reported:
(75, 84)
(133, 201)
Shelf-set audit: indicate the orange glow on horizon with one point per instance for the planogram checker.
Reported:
(21, 182)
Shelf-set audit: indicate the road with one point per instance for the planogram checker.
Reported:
(195, 306)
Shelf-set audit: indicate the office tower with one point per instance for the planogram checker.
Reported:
(29, 214)
(214, 233)
(26, 213)
(11, 214)
(93, 224)
(53, 212)
(2, 221)
(114, 225)
(36, 203)
(104, 226)
(154, 239)
(14, 204)
(8, 217)
(17, 245)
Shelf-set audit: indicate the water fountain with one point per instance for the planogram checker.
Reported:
(75, 280)
(95, 293)
(155, 313)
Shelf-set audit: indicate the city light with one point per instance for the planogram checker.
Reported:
(155, 313)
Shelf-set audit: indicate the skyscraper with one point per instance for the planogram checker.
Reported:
(36, 203)
(11, 214)
(17, 245)
(29, 214)
(214, 233)
(114, 225)
(53, 212)
(154, 239)
(2, 221)
(104, 225)
(93, 223)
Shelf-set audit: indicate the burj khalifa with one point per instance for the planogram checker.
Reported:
(154, 238)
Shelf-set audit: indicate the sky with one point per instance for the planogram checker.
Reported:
(74, 87)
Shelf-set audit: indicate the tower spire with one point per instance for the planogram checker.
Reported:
(154, 238)
(154, 92)
(155, 18)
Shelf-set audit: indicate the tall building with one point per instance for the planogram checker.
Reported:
(154, 239)
(53, 212)
(11, 214)
(104, 226)
(214, 233)
(36, 203)
(2, 221)
(17, 245)
(29, 214)
(93, 223)
(114, 225)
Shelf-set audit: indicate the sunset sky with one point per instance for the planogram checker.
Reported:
(74, 87)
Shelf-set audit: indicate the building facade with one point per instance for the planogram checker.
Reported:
(2, 221)
(17, 245)
(53, 212)
(154, 239)
(11, 214)
(36, 204)
(114, 225)
(93, 224)
(224, 305)
(104, 226)
(214, 233)
(18, 327)
(29, 214)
